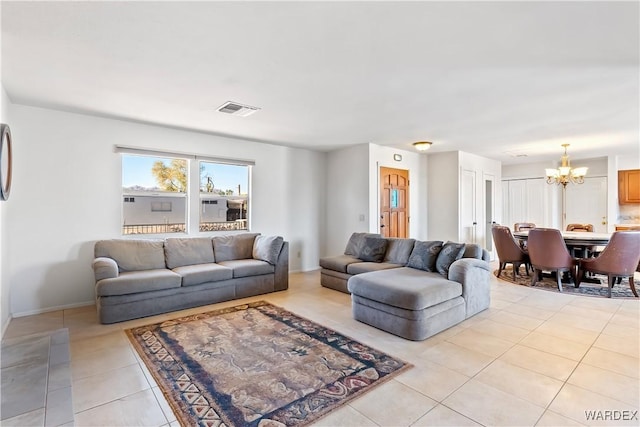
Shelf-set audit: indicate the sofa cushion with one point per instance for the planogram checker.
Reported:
(472, 250)
(180, 251)
(267, 248)
(338, 263)
(450, 253)
(398, 250)
(132, 282)
(203, 273)
(365, 267)
(405, 287)
(132, 254)
(373, 249)
(424, 255)
(249, 267)
(234, 246)
(356, 243)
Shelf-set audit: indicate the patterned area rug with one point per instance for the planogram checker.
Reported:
(257, 365)
(548, 283)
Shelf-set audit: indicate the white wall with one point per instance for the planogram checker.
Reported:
(526, 170)
(443, 202)
(5, 295)
(416, 164)
(306, 208)
(67, 194)
(347, 203)
(628, 162)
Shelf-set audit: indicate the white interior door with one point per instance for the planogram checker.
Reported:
(587, 203)
(468, 219)
(518, 202)
(506, 213)
(489, 212)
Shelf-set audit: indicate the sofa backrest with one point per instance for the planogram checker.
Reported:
(233, 246)
(398, 250)
(181, 251)
(132, 254)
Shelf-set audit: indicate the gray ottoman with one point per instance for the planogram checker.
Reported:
(411, 303)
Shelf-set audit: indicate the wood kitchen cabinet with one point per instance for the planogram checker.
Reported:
(629, 186)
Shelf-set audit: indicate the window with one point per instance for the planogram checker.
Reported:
(180, 193)
(161, 207)
(224, 195)
(154, 191)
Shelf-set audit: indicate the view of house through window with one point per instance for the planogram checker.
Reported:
(224, 196)
(155, 190)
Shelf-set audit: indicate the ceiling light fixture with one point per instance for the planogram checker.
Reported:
(422, 145)
(565, 174)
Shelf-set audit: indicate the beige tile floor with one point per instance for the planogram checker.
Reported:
(534, 358)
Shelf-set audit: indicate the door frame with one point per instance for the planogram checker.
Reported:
(408, 198)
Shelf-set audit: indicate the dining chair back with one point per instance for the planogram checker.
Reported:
(509, 252)
(548, 252)
(520, 226)
(620, 258)
(586, 251)
(580, 227)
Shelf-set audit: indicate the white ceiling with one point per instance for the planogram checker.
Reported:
(492, 78)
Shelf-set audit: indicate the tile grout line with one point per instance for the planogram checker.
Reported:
(565, 382)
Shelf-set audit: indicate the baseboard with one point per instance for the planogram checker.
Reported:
(50, 309)
(306, 270)
(6, 325)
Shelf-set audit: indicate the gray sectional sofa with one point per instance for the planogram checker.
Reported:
(137, 278)
(410, 288)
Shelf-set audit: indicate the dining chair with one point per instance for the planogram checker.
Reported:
(509, 252)
(548, 252)
(520, 226)
(580, 227)
(619, 259)
(586, 251)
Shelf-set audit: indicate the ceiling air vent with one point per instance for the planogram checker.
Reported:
(237, 109)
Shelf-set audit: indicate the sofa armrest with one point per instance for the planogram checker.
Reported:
(474, 275)
(282, 269)
(104, 268)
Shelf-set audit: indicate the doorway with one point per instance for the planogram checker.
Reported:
(489, 207)
(394, 202)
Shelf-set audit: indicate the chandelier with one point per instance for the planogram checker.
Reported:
(565, 174)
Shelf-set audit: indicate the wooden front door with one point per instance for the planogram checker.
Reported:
(394, 202)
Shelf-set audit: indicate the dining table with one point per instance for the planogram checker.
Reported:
(576, 240)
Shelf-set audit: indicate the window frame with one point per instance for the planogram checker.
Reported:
(192, 194)
(201, 200)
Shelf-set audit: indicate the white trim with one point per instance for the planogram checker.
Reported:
(190, 156)
(56, 308)
(6, 326)
(305, 270)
